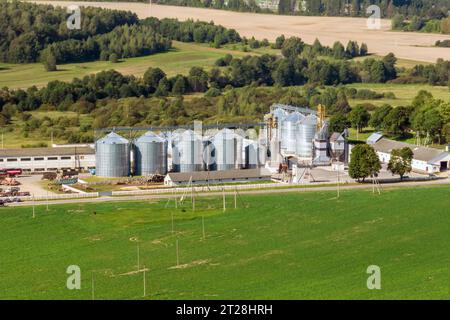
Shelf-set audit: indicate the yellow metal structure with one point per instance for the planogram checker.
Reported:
(321, 113)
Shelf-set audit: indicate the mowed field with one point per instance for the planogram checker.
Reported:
(406, 45)
(404, 93)
(300, 245)
(180, 59)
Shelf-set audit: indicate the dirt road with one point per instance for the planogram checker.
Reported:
(406, 45)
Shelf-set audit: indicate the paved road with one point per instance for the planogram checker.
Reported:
(242, 192)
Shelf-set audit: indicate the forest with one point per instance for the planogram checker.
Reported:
(39, 33)
(27, 28)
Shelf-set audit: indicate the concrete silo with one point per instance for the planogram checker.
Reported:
(112, 156)
(150, 155)
(305, 137)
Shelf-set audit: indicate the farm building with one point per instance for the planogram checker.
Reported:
(48, 159)
(214, 177)
(425, 160)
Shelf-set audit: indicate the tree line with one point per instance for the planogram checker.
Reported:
(266, 70)
(39, 32)
(122, 42)
(28, 28)
(436, 21)
(193, 31)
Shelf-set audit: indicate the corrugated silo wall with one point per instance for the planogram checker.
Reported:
(150, 158)
(251, 156)
(225, 152)
(112, 160)
(306, 132)
(191, 157)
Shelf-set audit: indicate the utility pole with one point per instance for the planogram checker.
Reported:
(338, 181)
(224, 202)
(193, 198)
(138, 254)
(178, 257)
(34, 209)
(145, 293)
(92, 286)
(203, 226)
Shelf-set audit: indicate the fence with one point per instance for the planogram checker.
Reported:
(56, 196)
(201, 189)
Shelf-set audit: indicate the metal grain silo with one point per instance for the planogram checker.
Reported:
(289, 131)
(279, 114)
(190, 151)
(252, 154)
(305, 137)
(225, 144)
(150, 155)
(173, 152)
(208, 154)
(112, 156)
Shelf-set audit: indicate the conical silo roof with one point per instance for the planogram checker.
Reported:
(309, 120)
(191, 135)
(113, 138)
(225, 133)
(294, 117)
(149, 137)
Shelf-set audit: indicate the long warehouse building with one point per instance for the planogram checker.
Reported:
(48, 159)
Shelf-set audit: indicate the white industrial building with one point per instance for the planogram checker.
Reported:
(216, 177)
(425, 160)
(48, 159)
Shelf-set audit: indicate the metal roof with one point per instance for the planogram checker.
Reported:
(190, 135)
(444, 156)
(218, 175)
(112, 138)
(336, 136)
(420, 153)
(309, 120)
(149, 137)
(35, 152)
(294, 117)
(374, 137)
(225, 134)
(290, 108)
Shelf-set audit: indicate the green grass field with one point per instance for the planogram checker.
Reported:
(180, 59)
(404, 93)
(294, 246)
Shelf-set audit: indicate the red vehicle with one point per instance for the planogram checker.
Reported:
(11, 173)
